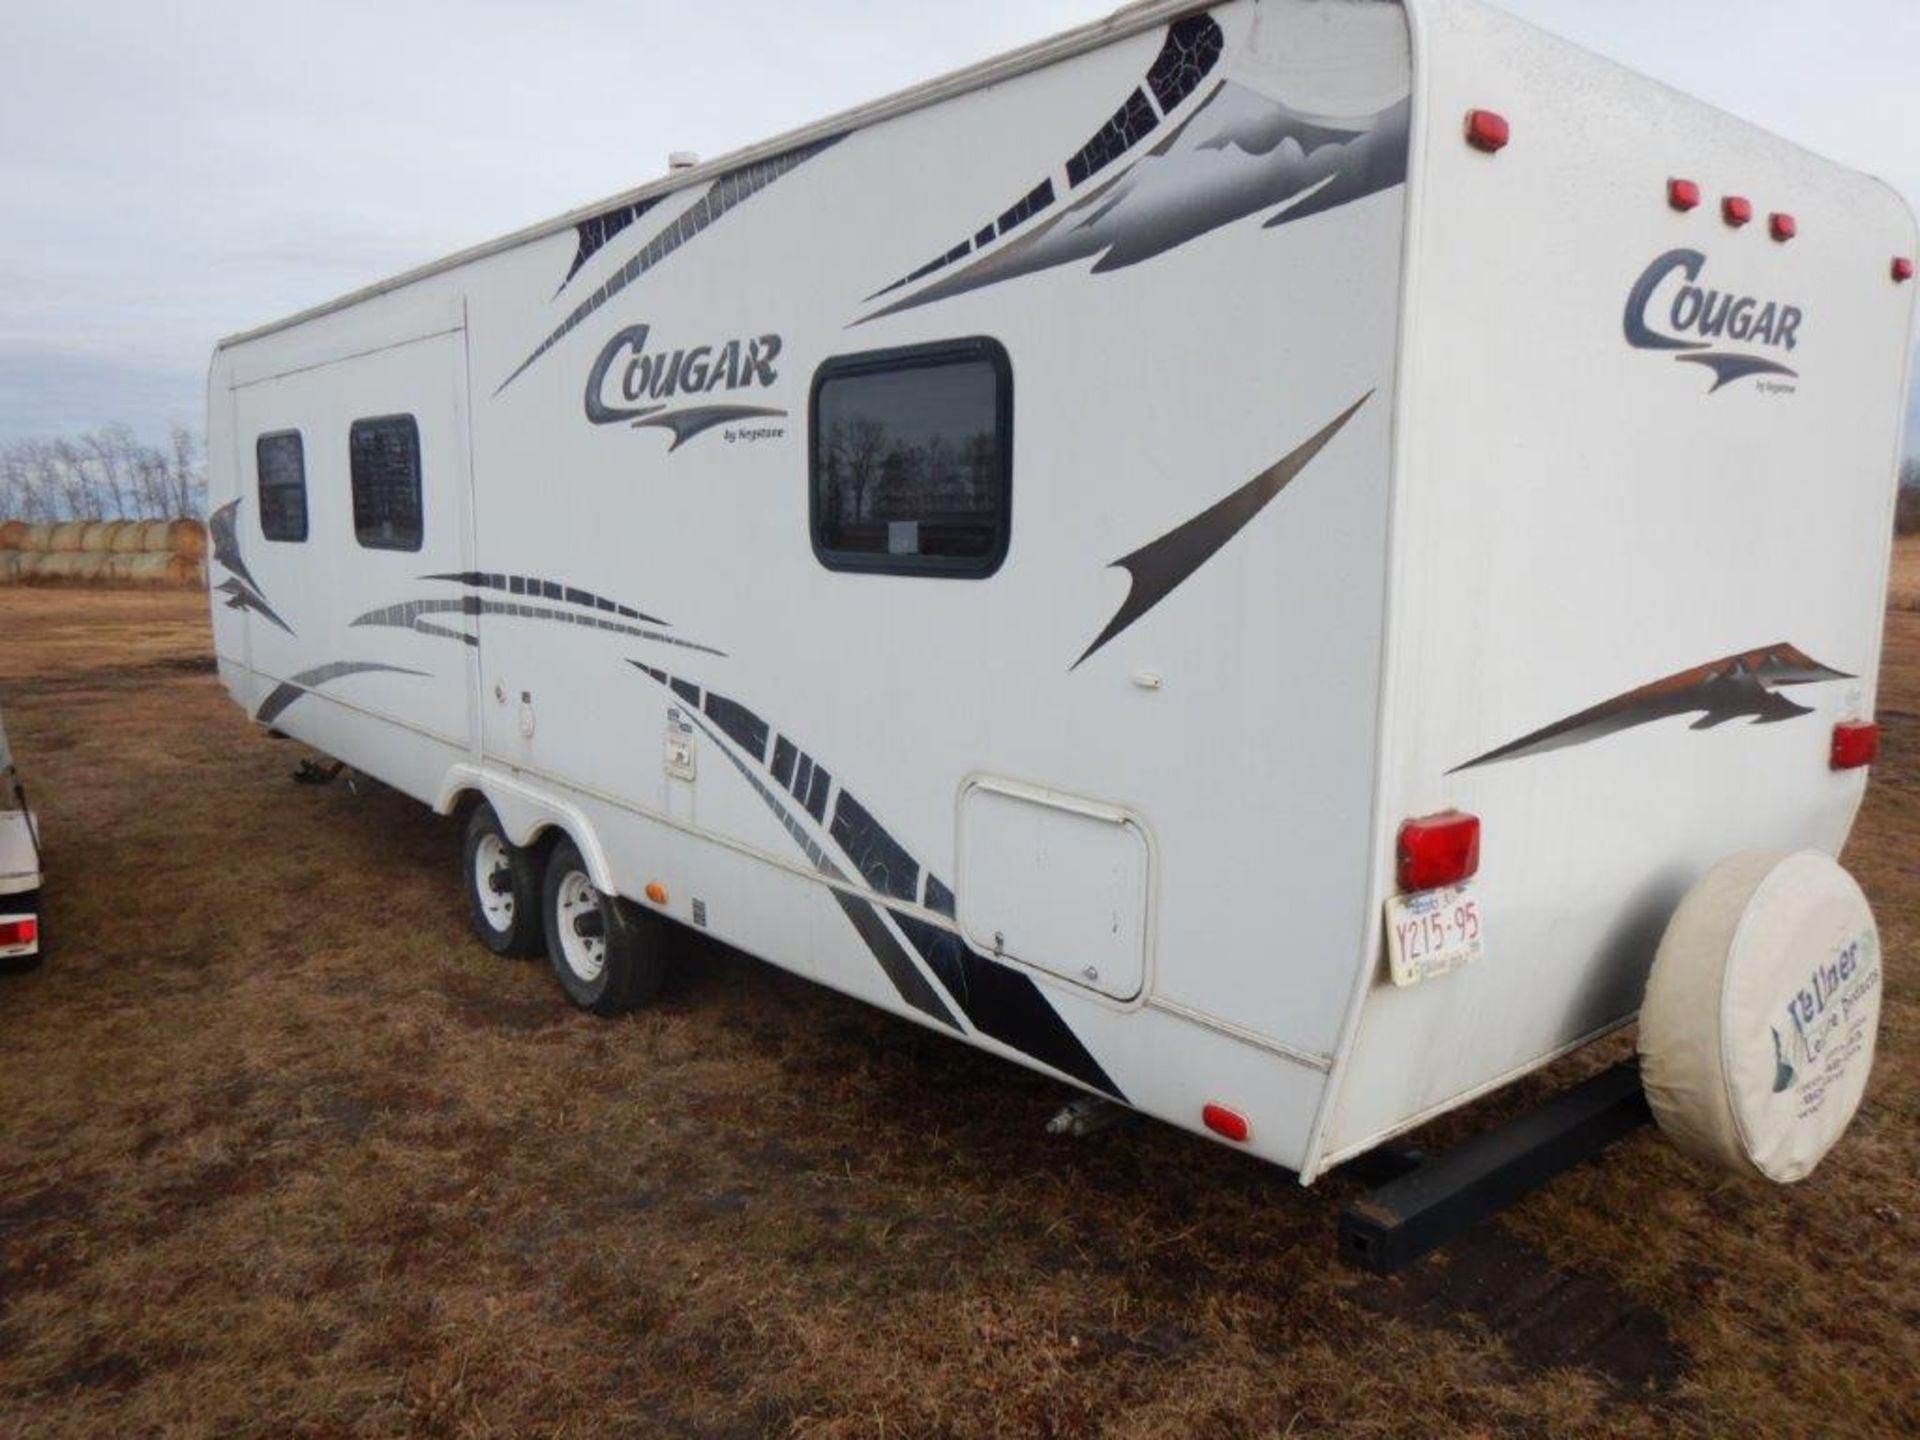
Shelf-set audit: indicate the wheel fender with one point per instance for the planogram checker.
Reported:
(525, 810)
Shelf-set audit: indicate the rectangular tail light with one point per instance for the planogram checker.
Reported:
(1855, 744)
(1438, 850)
(19, 930)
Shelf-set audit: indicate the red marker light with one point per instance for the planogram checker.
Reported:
(18, 932)
(1230, 1124)
(1736, 210)
(1488, 131)
(1855, 744)
(1902, 269)
(1683, 195)
(1783, 227)
(1438, 850)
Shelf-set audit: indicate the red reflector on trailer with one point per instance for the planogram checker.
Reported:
(1228, 1123)
(1902, 268)
(1736, 209)
(1855, 743)
(1683, 194)
(1783, 227)
(1439, 850)
(18, 932)
(1488, 131)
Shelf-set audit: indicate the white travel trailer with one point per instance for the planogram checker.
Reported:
(1021, 552)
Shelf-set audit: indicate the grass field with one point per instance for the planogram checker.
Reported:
(283, 1152)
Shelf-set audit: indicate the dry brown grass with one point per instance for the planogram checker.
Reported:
(274, 1164)
(1906, 573)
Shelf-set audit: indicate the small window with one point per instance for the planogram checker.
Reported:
(385, 456)
(912, 459)
(281, 463)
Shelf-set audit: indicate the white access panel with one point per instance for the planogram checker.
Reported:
(1056, 882)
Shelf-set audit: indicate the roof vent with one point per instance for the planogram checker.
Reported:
(682, 160)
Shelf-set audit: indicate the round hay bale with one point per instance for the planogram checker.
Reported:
(12, 534)
(67, 536)
(189, 538)
(79, 565)
(10, 566)
(126, 537)
(97, 538)
(152, 569)
(39, 538)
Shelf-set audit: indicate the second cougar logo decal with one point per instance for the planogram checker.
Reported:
(1687, 320)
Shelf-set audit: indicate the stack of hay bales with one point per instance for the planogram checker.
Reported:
(129, 552)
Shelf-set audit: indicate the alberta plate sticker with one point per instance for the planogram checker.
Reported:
(1432, 933)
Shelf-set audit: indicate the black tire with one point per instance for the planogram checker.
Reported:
(503, 887)
(624, 969)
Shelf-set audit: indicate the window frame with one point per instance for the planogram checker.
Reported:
(260, 488)
(419, 484)
(926, 356)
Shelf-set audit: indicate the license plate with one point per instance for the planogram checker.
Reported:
(1432, 934)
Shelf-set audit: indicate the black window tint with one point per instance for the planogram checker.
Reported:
(911, 459)
(385, 457)
(280, 464)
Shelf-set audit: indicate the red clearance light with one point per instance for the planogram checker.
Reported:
(1902, 269)
(18, 932)
(1683, 194)
(1855, 743)
(1783, 227)
(1488, 131)
(1736, 209)
(1439, 850)
(1228, 1123)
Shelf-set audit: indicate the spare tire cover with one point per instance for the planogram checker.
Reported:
(1758, 1028)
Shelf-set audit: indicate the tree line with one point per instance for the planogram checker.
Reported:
(104, 474)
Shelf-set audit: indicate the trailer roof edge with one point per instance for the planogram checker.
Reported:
(1126, 21)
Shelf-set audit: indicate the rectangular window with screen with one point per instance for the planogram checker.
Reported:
(384, 455)
(280, 463)
(912, 458)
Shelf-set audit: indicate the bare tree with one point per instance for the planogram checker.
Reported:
(856, 451)
(108, 473)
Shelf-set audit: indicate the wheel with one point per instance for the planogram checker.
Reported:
(607, 952)
(503, 887)
(1758, 1028)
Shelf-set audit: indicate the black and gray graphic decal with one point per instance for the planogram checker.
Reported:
(1160, 566)
(1711, 316)
(1192, 48)
(1735, 687)
(240, 588)
(288, 691)
(544, 590)
(725, 194)
(436, 617)
(1237, 153)
(597, 230)
(1000, 1001)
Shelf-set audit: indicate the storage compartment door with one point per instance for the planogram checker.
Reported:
(1058, 883)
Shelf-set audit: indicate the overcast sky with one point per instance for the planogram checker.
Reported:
(175, 170)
